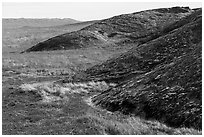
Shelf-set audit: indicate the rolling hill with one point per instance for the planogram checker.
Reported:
(161, 79)
(17, 39)
(118, 31)
(29, 22)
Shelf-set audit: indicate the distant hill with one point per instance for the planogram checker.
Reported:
(22, 38)
(160, 79)
(28, 22)
(119, 31)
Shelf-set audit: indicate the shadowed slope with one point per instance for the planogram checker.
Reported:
(147, 56)
(117, 31)
(158, 80)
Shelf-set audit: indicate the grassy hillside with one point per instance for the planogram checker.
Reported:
(21, 38)
(160, 79)
(159, 51)
(124, 30)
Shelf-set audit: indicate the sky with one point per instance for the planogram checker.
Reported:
(81, 11)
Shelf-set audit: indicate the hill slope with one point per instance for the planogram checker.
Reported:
(119, 31)
(22, 38)
(161, 79)
(146, 56)
(29, 22)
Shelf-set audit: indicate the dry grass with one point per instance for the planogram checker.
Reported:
(66, 107)
(134, 126)
(56, 63)
(50, 91)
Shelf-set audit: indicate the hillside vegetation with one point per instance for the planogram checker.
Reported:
(161, 79)
(17, 39)
(119, 31)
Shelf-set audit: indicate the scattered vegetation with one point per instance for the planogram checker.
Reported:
(27, 111)
(168, 86)
(119, 31)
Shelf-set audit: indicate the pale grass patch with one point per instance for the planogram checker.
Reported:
(27, 87)
(53, 92)
(44, 89)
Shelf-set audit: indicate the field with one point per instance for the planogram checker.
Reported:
(33, 102)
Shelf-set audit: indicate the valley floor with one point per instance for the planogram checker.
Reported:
(41, 105)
